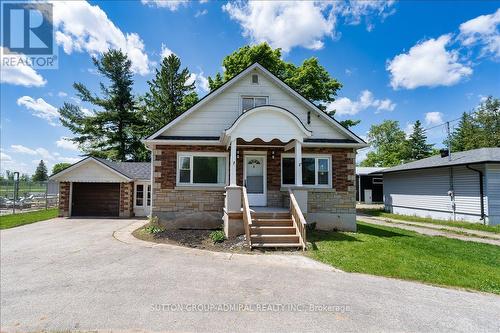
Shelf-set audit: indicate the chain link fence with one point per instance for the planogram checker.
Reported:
(23, 196)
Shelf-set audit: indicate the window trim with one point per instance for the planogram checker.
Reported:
(316, 158)
(202, 154)
(252, 96)
(258, 79)
(144, 196)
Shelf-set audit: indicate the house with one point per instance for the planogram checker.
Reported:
(255, 155)
(464, 186)
(369, 185)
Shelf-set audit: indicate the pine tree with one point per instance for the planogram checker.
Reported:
(169, 93)
(215, 82)
(417, 143)
(113, 131)
(40, 173)
(465, 136)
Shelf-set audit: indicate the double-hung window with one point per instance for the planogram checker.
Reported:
(316, 170)
(249, 102)
(202, 169)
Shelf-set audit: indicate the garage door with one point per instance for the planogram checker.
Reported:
(95, 199)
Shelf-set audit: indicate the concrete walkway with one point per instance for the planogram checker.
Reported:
(72, 274)
(434, 230)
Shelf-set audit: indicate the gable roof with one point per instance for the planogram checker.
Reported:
(334, 123)
(127, 170)
(475, 156)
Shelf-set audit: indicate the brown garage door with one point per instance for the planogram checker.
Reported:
(95, 199)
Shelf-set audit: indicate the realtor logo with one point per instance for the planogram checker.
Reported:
(28, 34)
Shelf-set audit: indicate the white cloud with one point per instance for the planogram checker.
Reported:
(62, 94)
(484, 31)
(200, 81)
(172, 5)
(21, 74)
(23, 150)
(83, 27)
(201, 13)
(39, 108)
(165, 51)
(408, 129)
(433, 118)
(346, 106)
(428, 63)
(5, 157)
(284, 24)
(42, 153)
(69, 159)
(87, 112)
(65, 143)
(355, 11)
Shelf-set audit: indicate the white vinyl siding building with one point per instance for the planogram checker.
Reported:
(447, 192)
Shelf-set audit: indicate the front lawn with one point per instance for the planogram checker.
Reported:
(465, 225)
(407, 255)
(15, 220)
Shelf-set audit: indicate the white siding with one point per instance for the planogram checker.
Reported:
(220, 113)
(493, 192)
(91, 172)
(425, 193)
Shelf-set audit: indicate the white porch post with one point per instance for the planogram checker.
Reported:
(232, 166)
(298, 163)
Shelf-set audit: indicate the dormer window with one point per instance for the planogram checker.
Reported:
(249, 102)
(255, 79)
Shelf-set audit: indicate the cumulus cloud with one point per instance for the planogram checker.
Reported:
(39, 108)
(433, 118)
(483, 31)
(428, 63)
(287, 24)
(346, 106)
(21, 74)
(165, 51)
(62, 94)
(172, 5)
(65, 143)
(83, 27)
(200, 81)
(42, 153)
(5, 157)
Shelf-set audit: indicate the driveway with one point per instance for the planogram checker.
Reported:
(73, 274)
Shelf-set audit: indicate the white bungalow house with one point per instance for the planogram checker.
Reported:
(255, 156)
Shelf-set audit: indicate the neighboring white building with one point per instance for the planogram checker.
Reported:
(467, 187)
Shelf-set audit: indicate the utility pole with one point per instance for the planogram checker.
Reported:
(449, 140)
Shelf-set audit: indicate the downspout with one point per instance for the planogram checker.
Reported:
(481, 191)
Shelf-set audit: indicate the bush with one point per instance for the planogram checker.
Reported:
(311, 226)
(153, 227)
(217, 236)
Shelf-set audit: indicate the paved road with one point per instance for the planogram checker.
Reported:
(72, 274)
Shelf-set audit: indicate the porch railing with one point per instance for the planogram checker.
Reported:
(298, 219)
(247, 217)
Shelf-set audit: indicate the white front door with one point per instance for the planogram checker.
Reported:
(254, 174)
(142, 199)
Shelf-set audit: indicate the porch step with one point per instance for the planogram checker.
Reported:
(283, 222)
(270, 215)
(272, 230)
(276, 245)
(277, 239)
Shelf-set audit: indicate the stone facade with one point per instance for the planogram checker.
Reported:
(184, 207)
(64, 190)
(126, 199)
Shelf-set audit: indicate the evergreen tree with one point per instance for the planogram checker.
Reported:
(417, 143)
(40, 173)
(464, 136)
(113, 130)
(169, 93)
(215, 82)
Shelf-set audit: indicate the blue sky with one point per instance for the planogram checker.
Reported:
(396, 60)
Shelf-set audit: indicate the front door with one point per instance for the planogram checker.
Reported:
(142, 199)
(255, 179)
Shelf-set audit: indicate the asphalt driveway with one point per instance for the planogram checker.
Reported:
(73, 274)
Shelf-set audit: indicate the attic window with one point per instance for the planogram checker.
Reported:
(255, 79)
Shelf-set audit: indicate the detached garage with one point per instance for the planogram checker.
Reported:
(98, 187)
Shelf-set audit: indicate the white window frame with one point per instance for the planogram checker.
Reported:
(316, 158)
(254, 97)
(202, 154)
(145, 186)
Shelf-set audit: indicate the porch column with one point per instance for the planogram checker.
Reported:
(298, 163)
(232, 166)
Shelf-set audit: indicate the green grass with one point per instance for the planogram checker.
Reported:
(403, 254)
(15, 220)
(465, 225)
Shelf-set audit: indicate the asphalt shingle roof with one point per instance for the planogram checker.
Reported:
(459, 158)
(134, 170)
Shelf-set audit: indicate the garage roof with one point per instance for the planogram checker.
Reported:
(134, 170)
(475, 156)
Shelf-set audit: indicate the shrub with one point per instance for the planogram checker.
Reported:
(217, 236)
(311, 226)
(153, 229)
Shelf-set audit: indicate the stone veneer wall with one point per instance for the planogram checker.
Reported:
(178, 207)
(126, 199)
(64, 189)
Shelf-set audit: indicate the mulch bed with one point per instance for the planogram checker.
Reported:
(193, 238)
